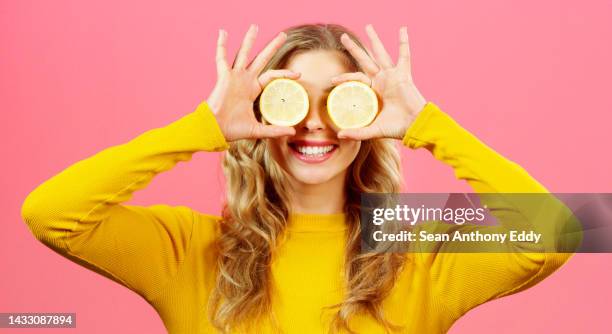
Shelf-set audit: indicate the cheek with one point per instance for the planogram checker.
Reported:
(349, 149)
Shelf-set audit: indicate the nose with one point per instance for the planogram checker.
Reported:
(314, 120)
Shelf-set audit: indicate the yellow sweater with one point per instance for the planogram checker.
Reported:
(163, 252)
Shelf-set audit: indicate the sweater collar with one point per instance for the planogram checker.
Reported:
(310, 222)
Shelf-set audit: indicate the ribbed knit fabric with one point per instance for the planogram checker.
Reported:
(164, 254)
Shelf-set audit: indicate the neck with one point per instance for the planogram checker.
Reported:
(323, 198)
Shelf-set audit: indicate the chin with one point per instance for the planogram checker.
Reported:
(312, 176)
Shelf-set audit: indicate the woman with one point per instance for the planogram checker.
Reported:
(284, 256)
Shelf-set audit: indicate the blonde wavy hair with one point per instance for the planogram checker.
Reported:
(256, 214)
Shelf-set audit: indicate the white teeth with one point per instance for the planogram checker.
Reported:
(314, 150)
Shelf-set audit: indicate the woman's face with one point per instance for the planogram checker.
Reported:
(315, 155)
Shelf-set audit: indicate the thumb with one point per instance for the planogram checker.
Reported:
(271, 131)
(359, 134)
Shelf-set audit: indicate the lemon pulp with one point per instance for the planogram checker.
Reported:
(352, 104)
(283, 102)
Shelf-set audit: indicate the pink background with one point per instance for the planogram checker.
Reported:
(530, 78)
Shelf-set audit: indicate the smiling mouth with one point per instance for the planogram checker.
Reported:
(312, 152)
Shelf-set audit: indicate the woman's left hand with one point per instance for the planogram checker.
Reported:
(401, 100)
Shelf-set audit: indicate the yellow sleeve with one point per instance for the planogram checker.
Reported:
(78, 212)
(462, 281)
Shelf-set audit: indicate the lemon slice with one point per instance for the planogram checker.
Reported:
(284, 102)
(352, 104)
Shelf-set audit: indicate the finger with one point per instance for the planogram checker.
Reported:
(371, 54)
(354, 76)
(380, 54)
(266, 54)
(271, 131)
(220, 58)
(404, 48)
(270, 75)
(247, 43)
(364, 60)
(365, 133)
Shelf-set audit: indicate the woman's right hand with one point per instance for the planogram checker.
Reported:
(238, 86)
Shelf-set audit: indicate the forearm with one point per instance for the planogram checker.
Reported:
(484, 169)
(512, 196)
(491, 175)
(83, 193)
